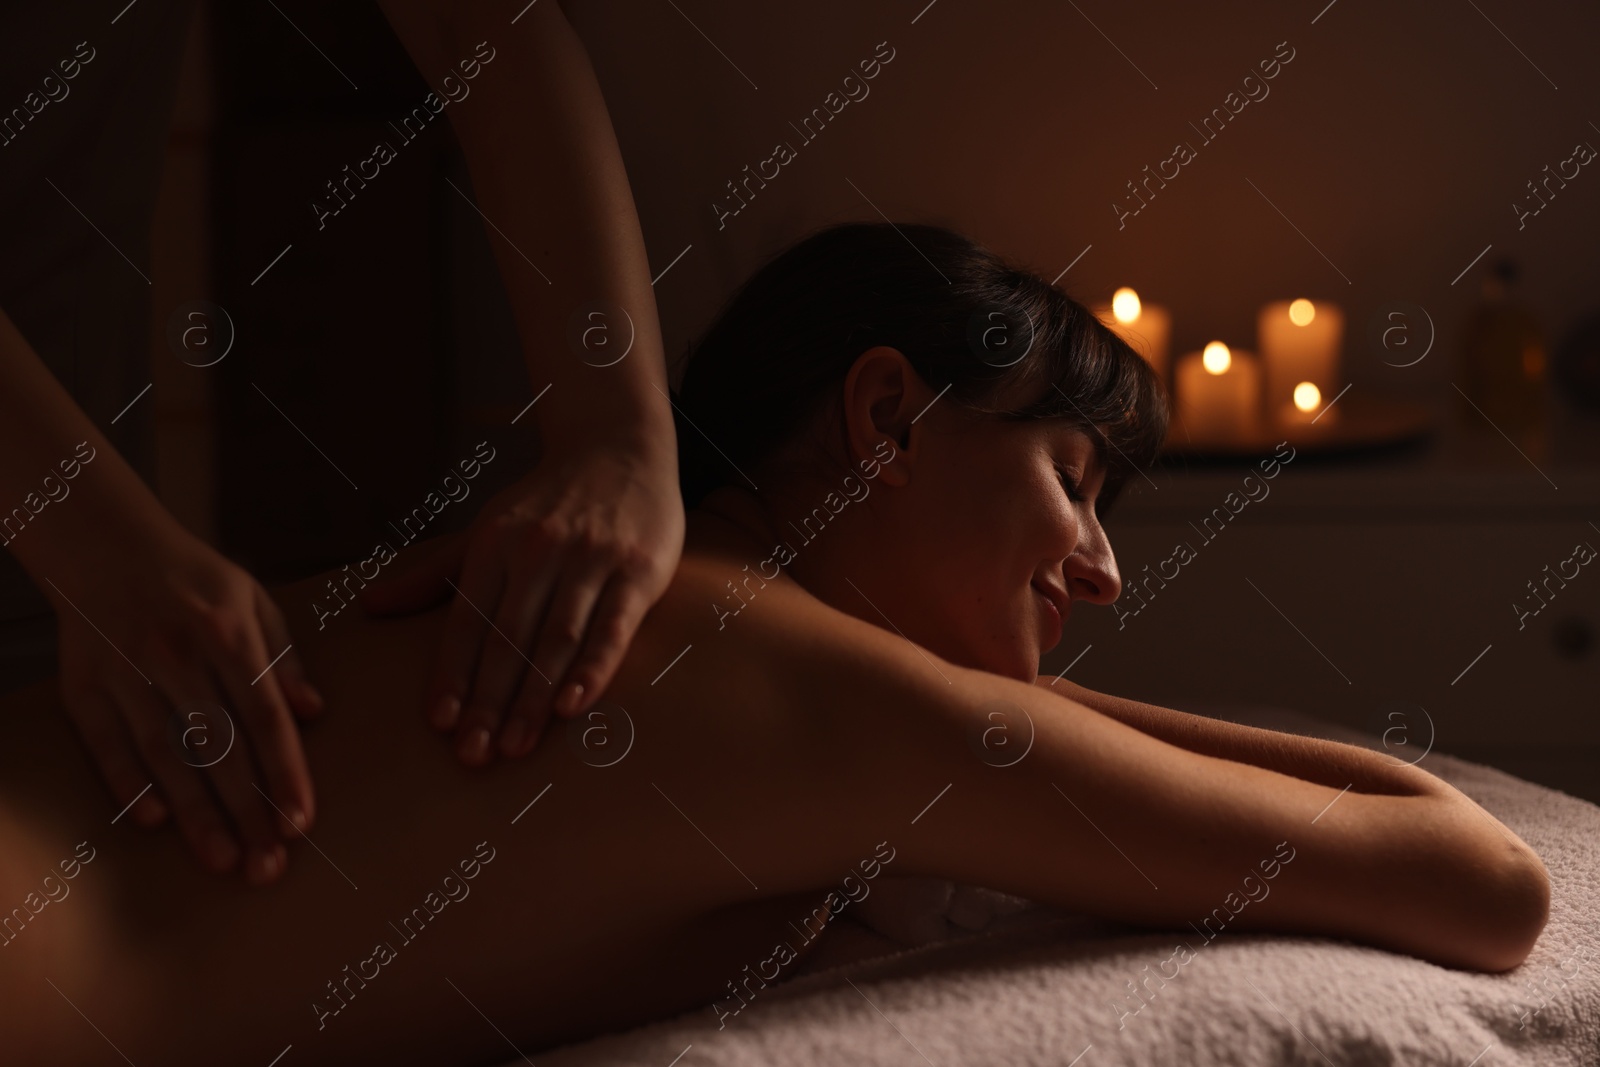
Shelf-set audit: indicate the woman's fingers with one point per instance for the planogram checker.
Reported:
(286, 665)
(111, 746)
(419, 586)
(558, 640)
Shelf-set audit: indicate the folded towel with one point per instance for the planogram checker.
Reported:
(920, 910)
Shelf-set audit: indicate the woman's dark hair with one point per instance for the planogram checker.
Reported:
(961, 315)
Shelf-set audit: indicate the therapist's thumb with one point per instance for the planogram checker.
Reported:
(417, 583)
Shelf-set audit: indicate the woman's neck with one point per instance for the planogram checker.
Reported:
(740, 518)
(770, 526)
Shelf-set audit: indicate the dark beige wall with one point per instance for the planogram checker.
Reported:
(1397, 140)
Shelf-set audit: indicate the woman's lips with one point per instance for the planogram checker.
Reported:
(1053, 620)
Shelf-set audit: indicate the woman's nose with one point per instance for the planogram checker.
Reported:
(1092, 573)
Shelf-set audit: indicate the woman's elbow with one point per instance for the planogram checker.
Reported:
(1498, 892)
(1516, 908)
(1459, 891)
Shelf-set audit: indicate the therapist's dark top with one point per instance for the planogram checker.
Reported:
(96, 138)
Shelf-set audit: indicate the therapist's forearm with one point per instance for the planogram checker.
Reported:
(546, 170)
(44, 435)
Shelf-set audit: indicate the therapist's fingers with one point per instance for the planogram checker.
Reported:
(111, 747)
(194, 809)
(560, 639)
(209, 740)
(466, 628)
(505, 666)
(285, 661)
(270, 735)
(627, 599)
(420, 585)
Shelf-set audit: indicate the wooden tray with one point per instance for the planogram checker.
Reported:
(1364, 420)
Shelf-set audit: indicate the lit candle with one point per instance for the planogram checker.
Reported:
(1219, 392)
(1146, 327)
(1305, 407)
(1299, 342)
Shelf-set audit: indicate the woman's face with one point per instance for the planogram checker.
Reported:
(970, 535)
(992, 530)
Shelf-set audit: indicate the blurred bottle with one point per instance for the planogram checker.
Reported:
(1503, 364)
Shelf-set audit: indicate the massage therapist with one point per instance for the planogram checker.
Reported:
(148, 619)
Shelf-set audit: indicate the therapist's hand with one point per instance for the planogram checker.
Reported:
(566, 563)
(155, 629)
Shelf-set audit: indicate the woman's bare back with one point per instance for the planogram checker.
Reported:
(646, 862)
(558, 895)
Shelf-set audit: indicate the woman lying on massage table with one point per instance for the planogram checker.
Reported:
(899, 457)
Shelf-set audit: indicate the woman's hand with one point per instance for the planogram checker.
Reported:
(165, 649)
(550, 584)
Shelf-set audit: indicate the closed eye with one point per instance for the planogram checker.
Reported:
(1074, 494)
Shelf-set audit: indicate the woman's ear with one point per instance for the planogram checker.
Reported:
(883, 398)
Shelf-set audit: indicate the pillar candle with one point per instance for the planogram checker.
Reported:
(1146, 327)
(1219, 397)
(1299, 342)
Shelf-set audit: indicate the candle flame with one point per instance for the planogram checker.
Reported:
(1307, 396)
(1302, 311)
(1125, 305)
(1216, 358)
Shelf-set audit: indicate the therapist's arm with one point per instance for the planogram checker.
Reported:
(568, 560)
(154, 624)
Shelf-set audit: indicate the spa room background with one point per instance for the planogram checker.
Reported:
(1397, 162)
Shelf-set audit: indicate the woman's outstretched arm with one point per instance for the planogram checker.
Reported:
(1099, 817)
(1314, 759)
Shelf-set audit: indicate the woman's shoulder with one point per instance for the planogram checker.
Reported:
(736, 633)
(730, 593)
(722, 600)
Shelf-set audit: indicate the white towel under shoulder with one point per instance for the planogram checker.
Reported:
(920, 910)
